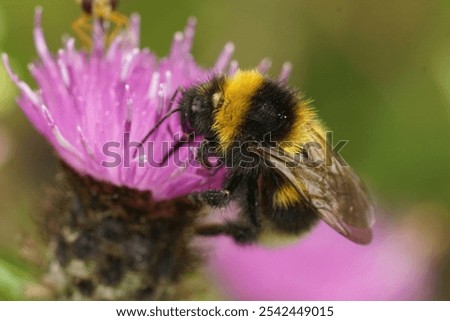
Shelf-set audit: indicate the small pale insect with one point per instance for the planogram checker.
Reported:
(104, 11)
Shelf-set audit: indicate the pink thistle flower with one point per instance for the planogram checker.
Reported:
(324, 266)
(122, 231)
(87, 100)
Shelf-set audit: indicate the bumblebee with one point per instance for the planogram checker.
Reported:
(280, 169)
(104, 10)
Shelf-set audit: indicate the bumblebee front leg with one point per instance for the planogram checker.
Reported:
(82, 28)
(252, 203)
(207, 149)
(177, 145)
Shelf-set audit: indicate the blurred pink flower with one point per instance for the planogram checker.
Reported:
(326, 266)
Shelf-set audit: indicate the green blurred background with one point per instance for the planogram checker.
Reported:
(378, 71)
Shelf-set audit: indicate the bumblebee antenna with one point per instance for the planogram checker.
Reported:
(167, 115)
(158, 123)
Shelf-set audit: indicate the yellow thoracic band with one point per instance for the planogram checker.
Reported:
(237, 93)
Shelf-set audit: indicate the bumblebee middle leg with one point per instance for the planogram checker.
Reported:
(219, 198)
(207, 149)
(244, 230)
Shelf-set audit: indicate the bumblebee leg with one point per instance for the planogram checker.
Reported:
(82, 27)
(173, 99)
(185, 138)
(120, 21)
(207, 148)
(178, 143)
(252, 202)
(239, 231)
(219, 198)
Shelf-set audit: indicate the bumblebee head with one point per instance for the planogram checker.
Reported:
(198, 105)
(196, 112)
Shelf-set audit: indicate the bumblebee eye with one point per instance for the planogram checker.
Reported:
(196, 105)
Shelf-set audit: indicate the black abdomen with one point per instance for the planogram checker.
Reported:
(297, 217)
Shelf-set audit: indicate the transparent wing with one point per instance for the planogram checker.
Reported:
(334, 189)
